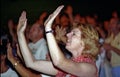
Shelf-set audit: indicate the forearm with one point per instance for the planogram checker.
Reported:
(23, 71)
(28, 58)
(55, 52)
(30, 62)
(110, 47)
(115, 50)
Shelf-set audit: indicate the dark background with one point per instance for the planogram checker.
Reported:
(11, 9)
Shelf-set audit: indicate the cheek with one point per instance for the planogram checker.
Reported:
(75, 44)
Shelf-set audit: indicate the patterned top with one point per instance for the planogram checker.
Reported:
(79, 59)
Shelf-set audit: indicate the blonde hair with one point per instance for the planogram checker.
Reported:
(90, 38)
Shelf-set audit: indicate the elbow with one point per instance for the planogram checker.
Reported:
(58, 62)
(29, 64)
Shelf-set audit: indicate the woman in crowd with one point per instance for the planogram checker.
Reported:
(82, 42)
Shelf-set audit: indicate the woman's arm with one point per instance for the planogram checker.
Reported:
(41, 66)
(59, 60)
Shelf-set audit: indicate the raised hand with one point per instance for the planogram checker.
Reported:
(49, 21)
(22, 23)
(9, 52)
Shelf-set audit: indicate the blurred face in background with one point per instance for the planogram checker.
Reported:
(69, 9)
(35, 33)
(77, 18)
(106, 25)
(64, 21)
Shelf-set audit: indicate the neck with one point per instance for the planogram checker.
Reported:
(76, 53)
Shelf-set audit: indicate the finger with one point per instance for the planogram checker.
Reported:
(56, 12)
(23, 15)
(22, 19)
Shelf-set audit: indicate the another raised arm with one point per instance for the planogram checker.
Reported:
(41, 66)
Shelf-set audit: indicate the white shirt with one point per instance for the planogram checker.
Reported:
(9, 73)
(39, 49)
(101, 58)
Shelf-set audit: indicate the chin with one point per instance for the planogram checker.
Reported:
(67, 47)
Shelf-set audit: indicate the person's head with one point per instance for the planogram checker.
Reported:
(114, 26)
(83, 39)
(36, 32)
(91, 20)
(106, 25)
(77, 18)
(115, 14)
(64, 19)
(43, 15)
(68, 9)
(10, 22)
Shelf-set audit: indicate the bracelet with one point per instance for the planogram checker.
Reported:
(16, 63)
(50, 31)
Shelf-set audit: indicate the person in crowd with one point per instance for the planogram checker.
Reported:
(5, 70)
(103, 62)
(19, 65)
(42, 18)
(82, 42)
(115, 15)
(77, 19)
(38, 45)
(112, 46)
(69, 10)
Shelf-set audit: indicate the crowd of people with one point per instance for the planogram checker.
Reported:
(61, 44)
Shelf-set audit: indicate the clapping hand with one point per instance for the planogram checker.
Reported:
(49, 21)
(22, 23)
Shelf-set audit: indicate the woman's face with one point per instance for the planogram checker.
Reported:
(74, 40)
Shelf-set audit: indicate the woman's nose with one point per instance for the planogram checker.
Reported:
(68, 34)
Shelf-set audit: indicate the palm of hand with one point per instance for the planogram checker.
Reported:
(22, 22)
(49, 21)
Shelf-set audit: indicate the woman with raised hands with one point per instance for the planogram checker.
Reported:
(82, 42)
